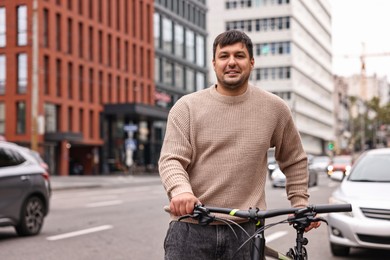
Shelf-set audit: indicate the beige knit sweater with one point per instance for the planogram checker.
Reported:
(216, 147)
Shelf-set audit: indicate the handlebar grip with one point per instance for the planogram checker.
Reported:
(333, 208)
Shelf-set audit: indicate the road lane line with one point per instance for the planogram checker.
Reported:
(275, 235)
(79, 232)
(104, 203)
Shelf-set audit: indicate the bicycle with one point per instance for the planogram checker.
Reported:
(299, 218)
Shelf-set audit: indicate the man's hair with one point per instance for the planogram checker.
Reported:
(231, 37)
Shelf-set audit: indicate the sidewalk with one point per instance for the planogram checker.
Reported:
(102, 181)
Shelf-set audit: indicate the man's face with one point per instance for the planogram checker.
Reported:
(232, 65)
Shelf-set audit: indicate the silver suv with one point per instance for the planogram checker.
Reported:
(24, 189)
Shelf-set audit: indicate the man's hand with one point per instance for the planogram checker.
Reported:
(313, 225)
(183, 204)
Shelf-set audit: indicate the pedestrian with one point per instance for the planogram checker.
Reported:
(215, 153)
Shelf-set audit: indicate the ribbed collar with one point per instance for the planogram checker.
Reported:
(230, 99)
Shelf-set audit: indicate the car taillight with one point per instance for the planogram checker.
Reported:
(46, 176)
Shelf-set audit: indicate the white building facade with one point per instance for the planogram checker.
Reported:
(292, 50)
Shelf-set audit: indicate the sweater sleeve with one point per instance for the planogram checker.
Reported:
(292, 160)
(176, 152)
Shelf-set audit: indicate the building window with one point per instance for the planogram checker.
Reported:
(109, 13)
(109, 50)
(80, 6)
(126, 57)
(91, 43)
(21, 117)
(118, 89)
(200, 51)
(45, 27)
(157, 70)
(3, 73)
(81, 29)
(3, 27)
(46, 75)
(118, 53)
(22, 73)
(2, 118)
(157, 30)
(100, 83)
(91, 124)
(58, 77)
(179, 76)
(90, 9)
(51, 118)
(70, 80)
(109, 89)
(200, 81)
(70, 119)
(90, 83)
(22, 25)
(100, 11)
(190, 80)
(100, 47)
(58, 32)
(179, 40)
(118, 15)
(81, 120)
(168, 73)
(167, 35)
(190, 46)
(70, 35)
(81, 87)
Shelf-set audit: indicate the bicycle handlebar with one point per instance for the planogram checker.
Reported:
(255, 214)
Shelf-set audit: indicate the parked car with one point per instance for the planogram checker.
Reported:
(340, 163)
(278, 178)
(320, 164)
(24, 189)
(367, 189)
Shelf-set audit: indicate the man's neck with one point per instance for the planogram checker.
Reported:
(231, 92)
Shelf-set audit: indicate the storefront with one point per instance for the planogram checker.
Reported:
(132, 135)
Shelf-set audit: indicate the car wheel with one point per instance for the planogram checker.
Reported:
(32, 215)
(338, 250)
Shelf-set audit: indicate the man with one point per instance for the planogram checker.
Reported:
(215, 153)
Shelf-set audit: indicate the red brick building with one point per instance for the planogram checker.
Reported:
(77, 82)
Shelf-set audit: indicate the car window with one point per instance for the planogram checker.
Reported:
(10, 157)
(372, 168)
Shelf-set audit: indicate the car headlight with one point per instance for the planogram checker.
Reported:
(334, 200)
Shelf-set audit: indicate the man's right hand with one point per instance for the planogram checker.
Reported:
(183, 204)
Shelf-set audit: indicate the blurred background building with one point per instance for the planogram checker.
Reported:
(293, 57)
(89, 83)
(77, 81)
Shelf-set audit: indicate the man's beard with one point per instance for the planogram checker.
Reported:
(233, 85)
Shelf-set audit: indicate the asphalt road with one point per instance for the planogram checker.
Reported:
(126, 221)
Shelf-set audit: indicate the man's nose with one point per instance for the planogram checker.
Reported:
(232, 61)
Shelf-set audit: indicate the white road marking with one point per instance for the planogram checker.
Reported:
(104, 203)
(79, 233)
(314, 189)
(275, 235)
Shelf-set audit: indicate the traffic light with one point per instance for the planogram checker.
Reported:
(330, 146)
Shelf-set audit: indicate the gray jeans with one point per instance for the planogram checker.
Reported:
(186, 241)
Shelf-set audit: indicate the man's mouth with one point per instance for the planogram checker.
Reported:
(232, 72)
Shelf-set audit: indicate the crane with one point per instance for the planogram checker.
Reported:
(363, 77)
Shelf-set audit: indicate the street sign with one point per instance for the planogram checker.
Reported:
(130, 128)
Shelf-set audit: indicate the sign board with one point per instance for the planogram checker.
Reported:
(130, 128)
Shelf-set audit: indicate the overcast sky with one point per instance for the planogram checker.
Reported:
(357, 21)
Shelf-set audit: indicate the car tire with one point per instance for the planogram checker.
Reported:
(31, 217)
(338, 250)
